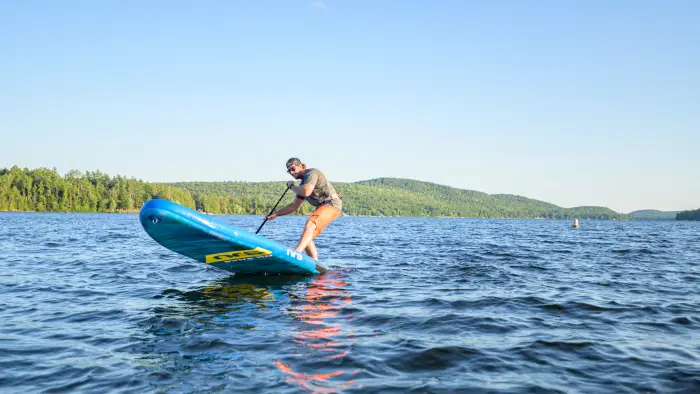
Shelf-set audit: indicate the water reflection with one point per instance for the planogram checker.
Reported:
(259, 290)
(296, 322)
(324, 336)
(233, 297)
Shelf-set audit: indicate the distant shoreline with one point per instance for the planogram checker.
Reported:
(44, 189)
(307, 214)
(17, 211)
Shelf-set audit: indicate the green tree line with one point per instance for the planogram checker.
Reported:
(689, 215)
(44, 190)
(405, 197)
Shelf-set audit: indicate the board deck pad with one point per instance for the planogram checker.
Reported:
(218, 244)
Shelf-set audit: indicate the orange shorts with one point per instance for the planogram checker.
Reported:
(322, 217)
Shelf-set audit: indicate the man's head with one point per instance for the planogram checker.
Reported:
(295, 168)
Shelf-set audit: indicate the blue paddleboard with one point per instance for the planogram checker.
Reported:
(218, 244)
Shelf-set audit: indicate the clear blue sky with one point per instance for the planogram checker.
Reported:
(570, 102)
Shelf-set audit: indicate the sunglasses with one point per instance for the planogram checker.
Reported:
(292, 168)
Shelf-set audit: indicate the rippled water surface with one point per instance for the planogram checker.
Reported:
(89, 303)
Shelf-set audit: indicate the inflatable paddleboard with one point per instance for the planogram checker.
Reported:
(220, 245)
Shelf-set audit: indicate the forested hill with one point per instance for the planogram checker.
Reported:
(405, 197)
(653, 214)
(45, 190)
(689, 215)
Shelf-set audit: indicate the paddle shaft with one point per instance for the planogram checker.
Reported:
(272, 210)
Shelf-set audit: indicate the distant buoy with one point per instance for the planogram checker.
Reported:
(575, 225)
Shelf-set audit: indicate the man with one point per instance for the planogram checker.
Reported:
(317, 191)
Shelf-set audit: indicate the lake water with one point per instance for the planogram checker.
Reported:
(90, 303)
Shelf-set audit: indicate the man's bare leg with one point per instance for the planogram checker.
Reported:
(307, 243)
(311, 250)
(307, 239)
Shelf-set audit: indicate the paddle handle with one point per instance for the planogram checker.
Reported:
(272, 210)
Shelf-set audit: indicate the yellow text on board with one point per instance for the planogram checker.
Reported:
(236, 255)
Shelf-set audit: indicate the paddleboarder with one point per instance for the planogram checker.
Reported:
(317, 191)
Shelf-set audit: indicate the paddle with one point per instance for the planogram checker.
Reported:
(273, 210)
